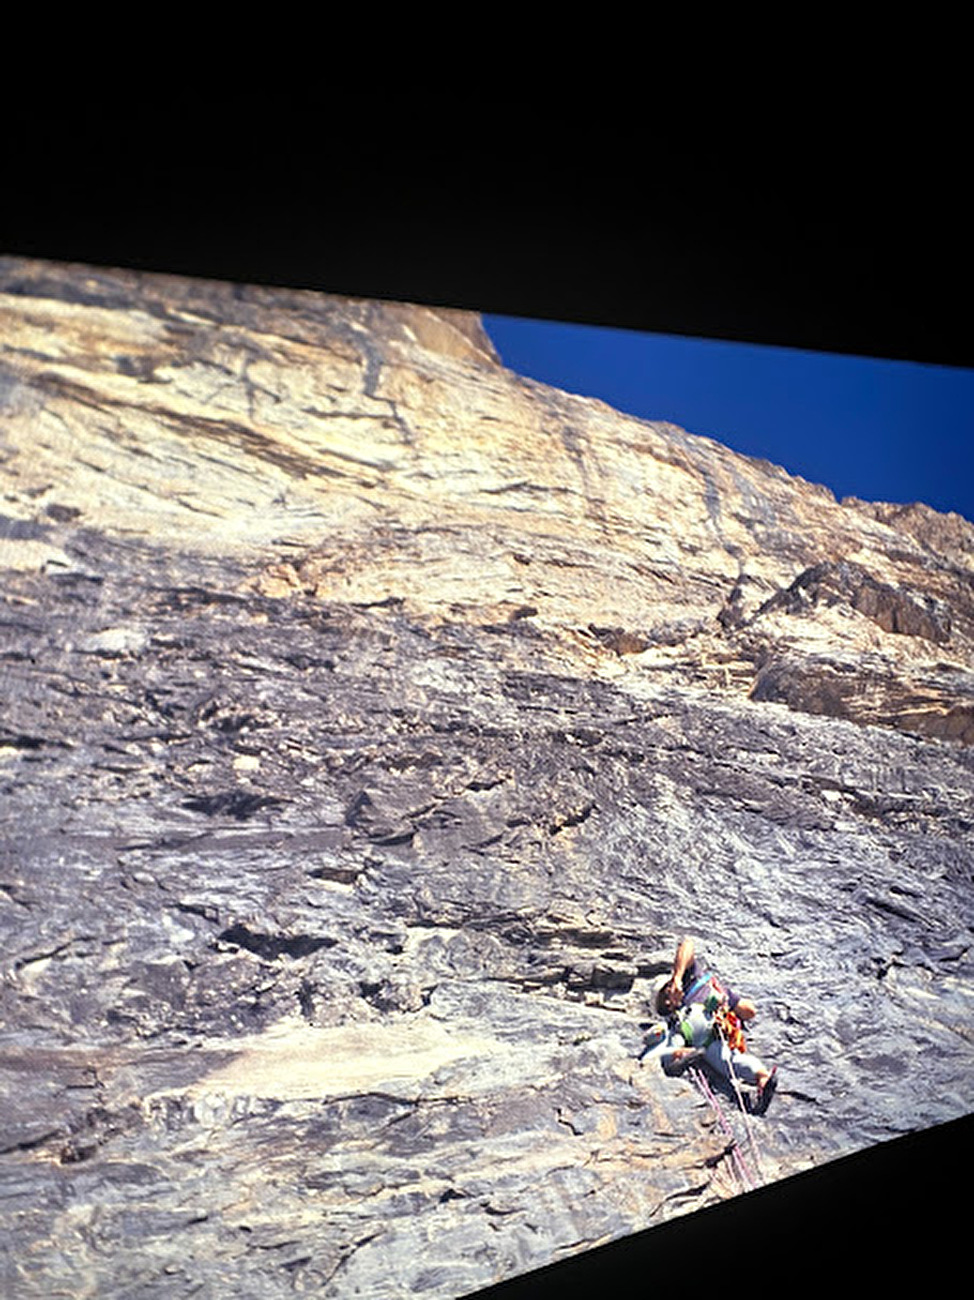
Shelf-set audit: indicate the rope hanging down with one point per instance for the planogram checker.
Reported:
(748, 1178)
(747, 1123)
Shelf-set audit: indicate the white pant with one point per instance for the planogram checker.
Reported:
(746, 1066)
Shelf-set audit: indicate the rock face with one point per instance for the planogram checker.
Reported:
(374, 722)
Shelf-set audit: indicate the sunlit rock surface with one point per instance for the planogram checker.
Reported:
(374, 721)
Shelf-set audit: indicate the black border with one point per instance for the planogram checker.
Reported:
(840, 243)
(885, 1217)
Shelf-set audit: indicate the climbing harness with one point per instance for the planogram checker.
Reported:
(728, 1027)
(726, 1022)
(723, 1024)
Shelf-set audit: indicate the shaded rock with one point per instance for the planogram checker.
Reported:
(909, 613)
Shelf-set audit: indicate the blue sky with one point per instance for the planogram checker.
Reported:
(881, 430)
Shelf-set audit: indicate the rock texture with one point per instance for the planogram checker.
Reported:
(374, 721)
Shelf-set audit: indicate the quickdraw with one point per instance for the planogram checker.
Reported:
(728, 1027)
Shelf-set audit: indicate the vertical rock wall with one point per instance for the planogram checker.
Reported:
(374, 721)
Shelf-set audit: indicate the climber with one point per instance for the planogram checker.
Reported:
(704, 1026)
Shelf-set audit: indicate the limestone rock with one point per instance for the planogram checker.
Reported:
(375, 720)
